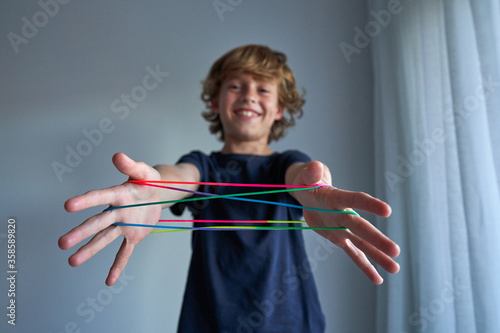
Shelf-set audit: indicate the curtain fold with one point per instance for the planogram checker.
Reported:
(437, 158)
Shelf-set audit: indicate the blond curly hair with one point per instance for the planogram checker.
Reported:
(263, 63)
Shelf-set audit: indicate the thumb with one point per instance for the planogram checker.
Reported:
(312, 173)
(133, 169)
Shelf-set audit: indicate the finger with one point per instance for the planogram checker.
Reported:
(96, 244)
(92, 198)
(91, 226)
(312, 173)
(380, 258)
(360, 200)
(357, 249)
(362, 262)
(367, 231)
(339, 237)
(131, 168)
(120, 262)
(112, 195)
(356, 225)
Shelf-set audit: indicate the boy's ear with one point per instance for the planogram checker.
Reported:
(279, 114)
(215, 105)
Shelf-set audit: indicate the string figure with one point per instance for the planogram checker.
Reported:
(247, 224)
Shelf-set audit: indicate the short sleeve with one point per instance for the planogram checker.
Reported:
(199, 160)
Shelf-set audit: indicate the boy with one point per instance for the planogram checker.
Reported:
(251, 98)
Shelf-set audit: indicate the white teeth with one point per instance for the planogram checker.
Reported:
(246, 113)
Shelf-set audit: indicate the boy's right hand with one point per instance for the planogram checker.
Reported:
(101, 225)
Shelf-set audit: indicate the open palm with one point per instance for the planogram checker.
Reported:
(361, 239)
(101, 225)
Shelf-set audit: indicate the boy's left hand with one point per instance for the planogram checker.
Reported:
(361, 239)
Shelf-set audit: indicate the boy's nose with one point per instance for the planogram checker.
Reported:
(248, 96)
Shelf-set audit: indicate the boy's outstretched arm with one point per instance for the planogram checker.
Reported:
(361, 239)
(101, 225)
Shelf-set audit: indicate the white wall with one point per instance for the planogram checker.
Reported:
(63, 80)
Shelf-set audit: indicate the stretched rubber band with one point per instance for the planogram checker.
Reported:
(230, 221)
(220, 184)
(234, 196)
(223, 228)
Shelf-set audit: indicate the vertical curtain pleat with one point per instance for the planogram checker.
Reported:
(437, 132)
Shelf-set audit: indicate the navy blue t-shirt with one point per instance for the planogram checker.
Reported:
(247, 280)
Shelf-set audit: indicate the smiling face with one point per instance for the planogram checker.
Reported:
(247, 108)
